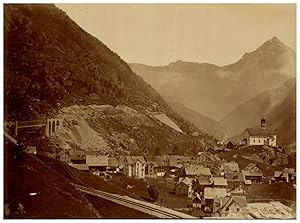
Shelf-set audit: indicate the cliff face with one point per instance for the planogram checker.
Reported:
(51, 63)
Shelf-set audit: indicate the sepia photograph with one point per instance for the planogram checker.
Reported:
(149, 111)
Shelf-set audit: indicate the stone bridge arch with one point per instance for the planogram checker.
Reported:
(52, 125)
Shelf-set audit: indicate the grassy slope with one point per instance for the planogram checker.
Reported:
(55, 199)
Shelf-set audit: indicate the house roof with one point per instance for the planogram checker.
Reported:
(277, 173)
(220, 181)
(204, 180)
(113, 162)
(289, 170)
(135, 159)
(248, 182)
(187, 181)
(80, 166)
(249, 173)
(152, 163)
(228, 201)
(235, 177)
(285, 174)
(197, 170)
(230, 167)
(219, 147)
(260, 132)
(175, 160)
(251, 166)
(95, 160)
(211, 193)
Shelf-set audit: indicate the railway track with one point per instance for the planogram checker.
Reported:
(152, 209)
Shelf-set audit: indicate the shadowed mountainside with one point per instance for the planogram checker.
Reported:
(51, 63)
(278, 106)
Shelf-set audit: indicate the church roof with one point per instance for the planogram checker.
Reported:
(260, 132)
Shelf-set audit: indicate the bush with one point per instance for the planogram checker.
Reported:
(153, 192)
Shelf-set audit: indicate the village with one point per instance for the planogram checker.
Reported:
(214, 191)
(210, 185)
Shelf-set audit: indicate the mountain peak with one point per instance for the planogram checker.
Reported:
(275, 39)
(273, 43)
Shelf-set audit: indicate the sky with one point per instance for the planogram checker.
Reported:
(157, 34)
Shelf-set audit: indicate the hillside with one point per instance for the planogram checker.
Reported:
(121, 130)
(55, 196)
(204, 123)
(51, 63)
(278, 106)
(215, 91)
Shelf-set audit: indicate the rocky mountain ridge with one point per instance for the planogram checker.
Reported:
(215, 91)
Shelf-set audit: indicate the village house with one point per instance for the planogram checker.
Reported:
(201, 182)
(113, 164)
(253, 173)
(176, 161)
(150, 169)
(234, 207)
(219, 182)
(260, 136)
(184, 187)
(81, 166)
(219, 147)
(77, 157)
(96, 162)
(64, 156)
(198, 201)
(253, 176)
(236, 182)
(286, 175)
(231, 167)
(291, 174)
(134, 166)
(161, 161)
(194, 171)
(230, 146)
(213, 198)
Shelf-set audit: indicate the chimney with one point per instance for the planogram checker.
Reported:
(263, 123)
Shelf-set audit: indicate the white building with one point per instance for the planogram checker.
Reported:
(260, 136)
(134, 166)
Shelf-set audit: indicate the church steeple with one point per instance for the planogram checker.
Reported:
(263, 123)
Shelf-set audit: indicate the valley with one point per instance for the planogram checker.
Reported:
(89, 135)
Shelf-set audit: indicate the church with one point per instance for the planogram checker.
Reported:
(260, 136)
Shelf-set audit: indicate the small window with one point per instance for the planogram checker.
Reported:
(259, 140)
(253, 140)
(53, 126)
(57, 123)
